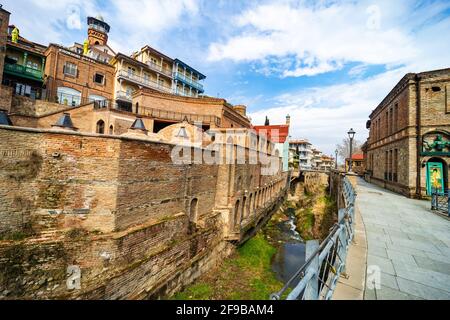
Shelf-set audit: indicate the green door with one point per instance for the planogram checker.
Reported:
(435, 177)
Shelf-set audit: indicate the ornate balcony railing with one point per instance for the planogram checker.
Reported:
(144, 81)
(192, 83)
(158, 68)
(122, 95)
(24, 71)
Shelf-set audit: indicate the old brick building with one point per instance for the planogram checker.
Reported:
(24, 65)
(136, 224)
(408, 150)
(74, 79)
(4, 23)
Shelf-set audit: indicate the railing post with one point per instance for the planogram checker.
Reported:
(433, 200)
(448, 202)
(312, 290)
(343, 239)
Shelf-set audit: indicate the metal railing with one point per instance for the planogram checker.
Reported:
(144, 81)
(318, 277)
(193, 83)
(158, 68)
(24, 70)
(440, 201)
(159, 114)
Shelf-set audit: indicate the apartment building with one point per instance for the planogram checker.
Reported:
(303, 153)
(187, 80)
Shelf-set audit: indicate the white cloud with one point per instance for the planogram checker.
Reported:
(325, 114)
(330, 35)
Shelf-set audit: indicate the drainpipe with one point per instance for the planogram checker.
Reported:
(418, 136)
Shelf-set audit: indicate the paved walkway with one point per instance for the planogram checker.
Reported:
(407, 242)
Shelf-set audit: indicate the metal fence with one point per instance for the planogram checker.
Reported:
(318, 277)
(440, 201)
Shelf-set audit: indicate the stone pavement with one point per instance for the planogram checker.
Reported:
(407, 242)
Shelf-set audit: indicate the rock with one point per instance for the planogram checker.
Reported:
(50, 279)
(5, 292)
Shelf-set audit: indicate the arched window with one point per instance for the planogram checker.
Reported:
(137, 107)
(244, 207)
(101, 127)
(111, 130)
(193, 210)
(250, 204)
(68, 96)
(236, 213)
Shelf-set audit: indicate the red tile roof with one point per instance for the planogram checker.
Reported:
(275, 133)
(358, 156)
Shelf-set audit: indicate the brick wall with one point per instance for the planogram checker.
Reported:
(120, 210)
(4, 23)
(83, 82)
(400, 132)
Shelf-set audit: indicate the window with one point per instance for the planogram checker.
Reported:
(32, 65)
(101, 127)
(68, 96)
(111, 130)
(396, 165)
(129, 92)
(131, 71)
(99, 78)
(154, 61)
(386, 165)
(70, 69)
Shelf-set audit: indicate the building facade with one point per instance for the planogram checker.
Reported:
(4, 23)
(24, 65)
(303, 153)
(358, 164)
(278, 134)
(408, 150)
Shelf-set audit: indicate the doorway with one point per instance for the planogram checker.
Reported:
(437, 175)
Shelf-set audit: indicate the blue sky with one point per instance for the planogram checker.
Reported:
(326, 63)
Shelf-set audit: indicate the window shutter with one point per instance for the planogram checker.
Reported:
(64, 69)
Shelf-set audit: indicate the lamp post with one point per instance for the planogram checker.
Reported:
(336, 159)
(351, 135)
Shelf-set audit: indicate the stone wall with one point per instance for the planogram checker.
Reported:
(5, 97)
(121, 211)
(35, 108)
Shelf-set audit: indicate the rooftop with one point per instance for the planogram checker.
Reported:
(275, 133)
(358, 156)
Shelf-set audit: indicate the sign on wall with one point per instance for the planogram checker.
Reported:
(435, 177)
(436, 144)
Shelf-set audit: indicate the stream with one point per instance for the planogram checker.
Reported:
(291, 253)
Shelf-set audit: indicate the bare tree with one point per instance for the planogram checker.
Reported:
(344, 148)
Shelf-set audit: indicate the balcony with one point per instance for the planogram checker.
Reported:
(141, 81)
(23, 71)
(158, 68)
(124, 96)
(181, 77)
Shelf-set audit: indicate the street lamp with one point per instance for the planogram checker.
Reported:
(336, 159)
(351, 135)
